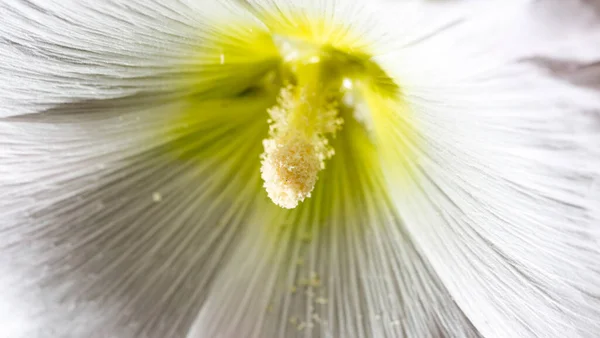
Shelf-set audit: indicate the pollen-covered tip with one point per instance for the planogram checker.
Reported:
(290, 165)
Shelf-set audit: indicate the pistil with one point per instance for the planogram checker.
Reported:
(305, 116)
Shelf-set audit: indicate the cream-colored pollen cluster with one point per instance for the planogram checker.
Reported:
(297, 147)
(289, 168)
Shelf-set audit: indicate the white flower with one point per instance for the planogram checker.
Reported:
(436, 178)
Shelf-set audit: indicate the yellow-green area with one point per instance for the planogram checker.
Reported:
(241, 70)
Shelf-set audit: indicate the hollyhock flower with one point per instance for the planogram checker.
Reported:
(306, 168)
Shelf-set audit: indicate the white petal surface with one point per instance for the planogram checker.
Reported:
(107, 230)
(55, 51)
(508, 215)
(503, 199)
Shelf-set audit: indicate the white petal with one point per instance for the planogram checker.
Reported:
(56, 51)
(340, 265)
(112, 226)
(504, 197)
(488, 35)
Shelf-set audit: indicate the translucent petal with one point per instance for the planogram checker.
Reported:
(484, 36)
(55, 52)
(340, 265)
(114, 226)
(503, 205)
(502, 193)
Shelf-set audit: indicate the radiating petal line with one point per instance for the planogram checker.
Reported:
(56, 52)
(127, 243)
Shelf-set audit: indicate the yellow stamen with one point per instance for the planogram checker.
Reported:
(297, 147)
(289, 168)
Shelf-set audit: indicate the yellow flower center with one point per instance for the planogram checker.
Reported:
(309, 80)
(305, 115)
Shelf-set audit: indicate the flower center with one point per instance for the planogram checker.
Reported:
(306, 114)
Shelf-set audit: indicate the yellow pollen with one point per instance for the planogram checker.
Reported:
(297, 147)
(289, 168)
